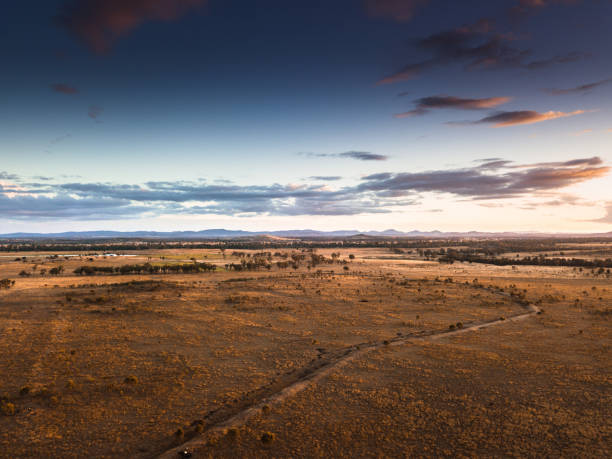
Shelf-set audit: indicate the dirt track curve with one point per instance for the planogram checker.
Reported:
(217, 422)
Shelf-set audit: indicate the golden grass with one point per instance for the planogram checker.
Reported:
(118, 365)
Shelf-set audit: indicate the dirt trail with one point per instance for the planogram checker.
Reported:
(218, 421)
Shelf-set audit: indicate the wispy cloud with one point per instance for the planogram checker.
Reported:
(582, 132)
(580, 162)
(94, 112)
(498, 163)
(524, 8)
(99, 23)
(567, 58)
(425, 104)
(326, 178)
(359, 155)
(6, 176)
(578, 89)
(543, 3)
(475, 46)
(64, 89)
(363, 156)
(398, 10)
(608, 217)
(514, 118)
(494, 164)
(56, 141)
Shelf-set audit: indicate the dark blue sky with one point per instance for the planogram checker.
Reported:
(241, 111)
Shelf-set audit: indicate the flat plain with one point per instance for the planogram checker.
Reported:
(142, 365)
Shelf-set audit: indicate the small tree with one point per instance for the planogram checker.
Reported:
(56, 270)
(6, 283)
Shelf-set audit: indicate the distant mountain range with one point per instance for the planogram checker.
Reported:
(307, 233)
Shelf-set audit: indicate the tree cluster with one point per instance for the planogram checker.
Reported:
(147, 268)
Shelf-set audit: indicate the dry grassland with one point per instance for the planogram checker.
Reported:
(132, 366)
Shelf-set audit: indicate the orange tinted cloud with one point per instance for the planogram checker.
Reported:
(437, 102)
(504, 119)
(507, 181)
(583, 132)
(558, 178)
(100, 22)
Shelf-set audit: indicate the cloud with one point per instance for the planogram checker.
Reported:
(359, 155)
(592, 161)
(549, 178)
(608, 217)
(505, 119)
(533, 3)
(475, 46)
(578, 89)
(487, 160)
(565, 200)
(56, 141)
(582, 132)
(425, 104)
(471, 44)
(567, 58)
(363, 156)
(524, 8)
(494, 164)
(85, 200)
(64, 88)
(94, 112)
(99, 23)
(63, 206)
(375, 193)
(398, 10)
(543, 3)
(326, 178)
(7, 176)
(476, 183)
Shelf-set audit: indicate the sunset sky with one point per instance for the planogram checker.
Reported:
(337, 114)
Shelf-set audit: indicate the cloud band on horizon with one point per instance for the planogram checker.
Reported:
(375, 193)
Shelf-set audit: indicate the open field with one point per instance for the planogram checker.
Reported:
(381, 350)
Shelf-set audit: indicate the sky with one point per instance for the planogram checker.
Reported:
(272, 115)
